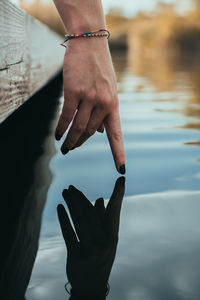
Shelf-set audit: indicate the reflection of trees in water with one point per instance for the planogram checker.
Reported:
(173, 74)
(168, 74)
(155, 68)
(195, 143)
(119, 58)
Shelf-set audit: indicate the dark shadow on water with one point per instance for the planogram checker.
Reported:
(25, 178)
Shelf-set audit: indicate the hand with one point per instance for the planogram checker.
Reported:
(90, 258)
(90, 97)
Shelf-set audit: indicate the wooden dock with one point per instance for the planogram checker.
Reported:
(30, 55)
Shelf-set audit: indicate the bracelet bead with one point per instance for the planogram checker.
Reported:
(94, 33)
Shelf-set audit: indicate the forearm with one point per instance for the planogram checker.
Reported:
(81, 15)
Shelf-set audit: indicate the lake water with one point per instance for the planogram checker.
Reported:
(159, 238)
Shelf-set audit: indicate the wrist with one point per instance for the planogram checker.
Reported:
(90, 294)
(97, 296)
(88, 44)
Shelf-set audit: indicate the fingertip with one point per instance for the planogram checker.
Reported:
(64, 150)
(65, 193)
(99, 202)
(71, 187)
(59, 207)
(121, 181)
(101, 128)
(60, 211)
(101, 131)
(122, 169)
(57, 136)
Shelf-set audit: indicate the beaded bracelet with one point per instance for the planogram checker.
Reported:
(94, 33)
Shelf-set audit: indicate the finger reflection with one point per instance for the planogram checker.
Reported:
(91, 240)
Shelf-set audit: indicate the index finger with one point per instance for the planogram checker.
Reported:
(114, 134)
(114, 207)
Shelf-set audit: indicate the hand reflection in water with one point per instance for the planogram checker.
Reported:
(91, 250)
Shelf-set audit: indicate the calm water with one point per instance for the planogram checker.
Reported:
(159, 238)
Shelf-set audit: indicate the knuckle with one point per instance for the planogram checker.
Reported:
(74, 92)
(92, 96)
(106, 100)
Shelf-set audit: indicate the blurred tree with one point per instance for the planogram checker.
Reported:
(164, 8)
(196, 5)
(45, 12)
(116, 11)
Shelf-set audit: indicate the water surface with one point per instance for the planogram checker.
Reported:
(158, 248)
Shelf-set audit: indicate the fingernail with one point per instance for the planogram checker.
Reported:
(122, 181)
(64, 150)
(57, 136)
(71, 187)
(65, 193)
(102, 131)
(122, 169)
(59, 207)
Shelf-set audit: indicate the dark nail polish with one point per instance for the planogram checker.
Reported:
(71, 189)
(59, 207)
(122, 181)
(65, 193)
(122, 169)
(64, 151)
(57, 136)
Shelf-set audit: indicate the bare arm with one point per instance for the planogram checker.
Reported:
(89, 81)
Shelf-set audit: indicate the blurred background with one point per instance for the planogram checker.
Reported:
(147, 26)
(168, 31)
